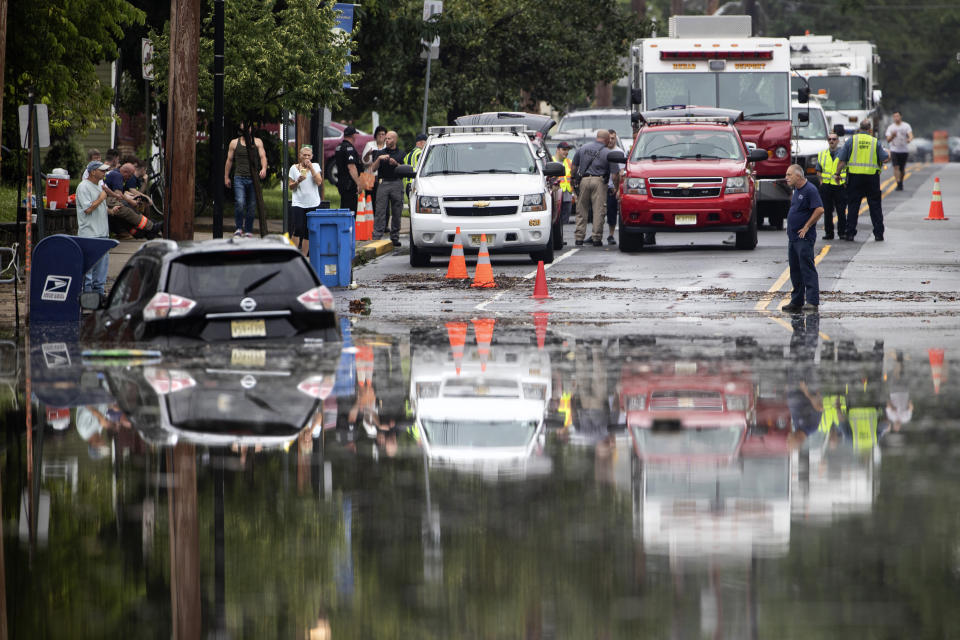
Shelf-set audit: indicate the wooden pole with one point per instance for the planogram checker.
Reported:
(3, 54)
(182, 117)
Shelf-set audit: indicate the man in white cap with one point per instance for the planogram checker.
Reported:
(92, 221)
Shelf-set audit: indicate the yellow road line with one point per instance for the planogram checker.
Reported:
(782, 280)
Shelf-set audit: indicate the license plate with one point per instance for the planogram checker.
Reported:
(248, 357)
(685, 219)
(475, 238)
(248, 329)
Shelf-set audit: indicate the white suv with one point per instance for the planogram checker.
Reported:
(483, 179)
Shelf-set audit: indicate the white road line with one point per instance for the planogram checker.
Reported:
(483, 305)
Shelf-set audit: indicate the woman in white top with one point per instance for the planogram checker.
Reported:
(305, 180)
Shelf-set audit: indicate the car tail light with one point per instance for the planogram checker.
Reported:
(317, 299)
(166, 381)
(318, 387)
(167, 305)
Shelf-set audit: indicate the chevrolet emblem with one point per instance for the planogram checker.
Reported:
(684, 185)
(481, 204)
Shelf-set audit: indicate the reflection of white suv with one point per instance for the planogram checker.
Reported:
(483, 179)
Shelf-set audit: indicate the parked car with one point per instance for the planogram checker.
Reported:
(809, 136)
(220, 290)
(332, 135)
(689, 171)
(589, 120)
(920, 149)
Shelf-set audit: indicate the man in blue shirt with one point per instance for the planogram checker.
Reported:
(805, 209)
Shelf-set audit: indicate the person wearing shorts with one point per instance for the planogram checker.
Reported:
(305, 178)
(899, 136)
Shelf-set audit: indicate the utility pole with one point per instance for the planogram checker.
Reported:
(3, 55)
(182, 119)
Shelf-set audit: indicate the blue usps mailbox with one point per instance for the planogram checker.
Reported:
(56, 278)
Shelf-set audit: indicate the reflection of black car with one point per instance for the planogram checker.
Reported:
(233, 289)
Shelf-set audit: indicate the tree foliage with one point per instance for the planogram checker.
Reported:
(54, 47)
(494, 54)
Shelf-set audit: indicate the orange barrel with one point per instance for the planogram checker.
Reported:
(941, 147)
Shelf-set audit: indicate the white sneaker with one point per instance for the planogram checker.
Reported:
(238, 233)
(248, 235)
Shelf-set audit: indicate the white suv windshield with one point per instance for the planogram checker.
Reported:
(706, 145)
(478, 157)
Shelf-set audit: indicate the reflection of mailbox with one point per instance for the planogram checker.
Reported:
(56, 281)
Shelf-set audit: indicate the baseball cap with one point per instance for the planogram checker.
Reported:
(564, 145)
(421, 136)
(349, 131)
(96, 164)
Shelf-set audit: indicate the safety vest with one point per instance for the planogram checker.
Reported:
(565, 184)
(863, 427)
(828, 167)
(412, 159)
(833, 406)
(863, 155)
(565, 409)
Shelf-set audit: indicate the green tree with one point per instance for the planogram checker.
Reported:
(494, 54)
(277, 57)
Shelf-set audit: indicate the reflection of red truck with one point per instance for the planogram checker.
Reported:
(712, 61)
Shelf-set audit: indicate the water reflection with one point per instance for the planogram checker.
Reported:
(470, 477)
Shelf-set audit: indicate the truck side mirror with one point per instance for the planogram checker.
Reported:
(617, 156)
(757, 155)
(839, 130)
(803, 95)
(636, 96)
(877, 94)
(554, 170)
(405, 171)
(803, 116)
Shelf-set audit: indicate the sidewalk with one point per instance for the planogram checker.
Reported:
(917, 255)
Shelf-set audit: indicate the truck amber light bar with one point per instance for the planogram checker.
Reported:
(716, 55)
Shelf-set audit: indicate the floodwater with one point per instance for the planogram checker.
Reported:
(483, 479)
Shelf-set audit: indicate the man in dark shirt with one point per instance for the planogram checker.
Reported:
(590, 166)
(389, 191)
(349, 167)
(124, 216)
(805, 209)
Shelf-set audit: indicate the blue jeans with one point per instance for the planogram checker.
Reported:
(96, 278)
(803, 271)
(244, 200)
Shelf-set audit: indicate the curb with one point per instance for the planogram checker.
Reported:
(372, 249)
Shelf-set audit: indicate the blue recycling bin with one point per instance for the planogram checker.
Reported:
(332, 245)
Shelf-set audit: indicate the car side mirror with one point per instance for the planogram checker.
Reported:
(636, 96)
(554, 170)
(757, 155)
(803, 95)
(839, 130)
(635, 117)
(803, 116)
(617, 156)
(405, 171)
(91, 301)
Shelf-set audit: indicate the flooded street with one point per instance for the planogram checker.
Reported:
(490, 478)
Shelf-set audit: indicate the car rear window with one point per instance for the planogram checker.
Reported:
(240, 273)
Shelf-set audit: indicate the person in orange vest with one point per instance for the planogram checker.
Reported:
(566, 185)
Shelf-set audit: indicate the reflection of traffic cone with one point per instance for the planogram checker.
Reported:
(364, 366)
(457, 334)
(457, 269)
(483, 276)
(483, 329)
(936, 203)
(936, 368)
(540, 286)
(540, 319)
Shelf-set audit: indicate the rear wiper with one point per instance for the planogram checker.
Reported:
(259, 281)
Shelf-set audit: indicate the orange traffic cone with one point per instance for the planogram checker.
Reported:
(936, 203)
(483, 276)
(457, 269)
(540, 286)
(457, 334)
(360, 224)
(370, 217)
(936, 368)
(540, 320)
(483, 329)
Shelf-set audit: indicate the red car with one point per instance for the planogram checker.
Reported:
(332, 135)
(689, 170)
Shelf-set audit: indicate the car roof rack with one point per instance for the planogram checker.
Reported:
(681, 114)
(484, 128)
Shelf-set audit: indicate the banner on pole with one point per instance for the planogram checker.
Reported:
(344, 26)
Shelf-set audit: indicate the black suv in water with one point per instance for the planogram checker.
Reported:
(218, 290)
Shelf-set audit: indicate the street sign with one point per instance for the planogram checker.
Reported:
(146, 58)
(43, 125)
(344, 27)
(431, 11)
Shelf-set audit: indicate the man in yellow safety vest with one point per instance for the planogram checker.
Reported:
(566, 184)
(863, 157)
(833, 189)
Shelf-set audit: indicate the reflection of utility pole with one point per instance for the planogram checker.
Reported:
(430, 536)
(184, 542)
(182, 119)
